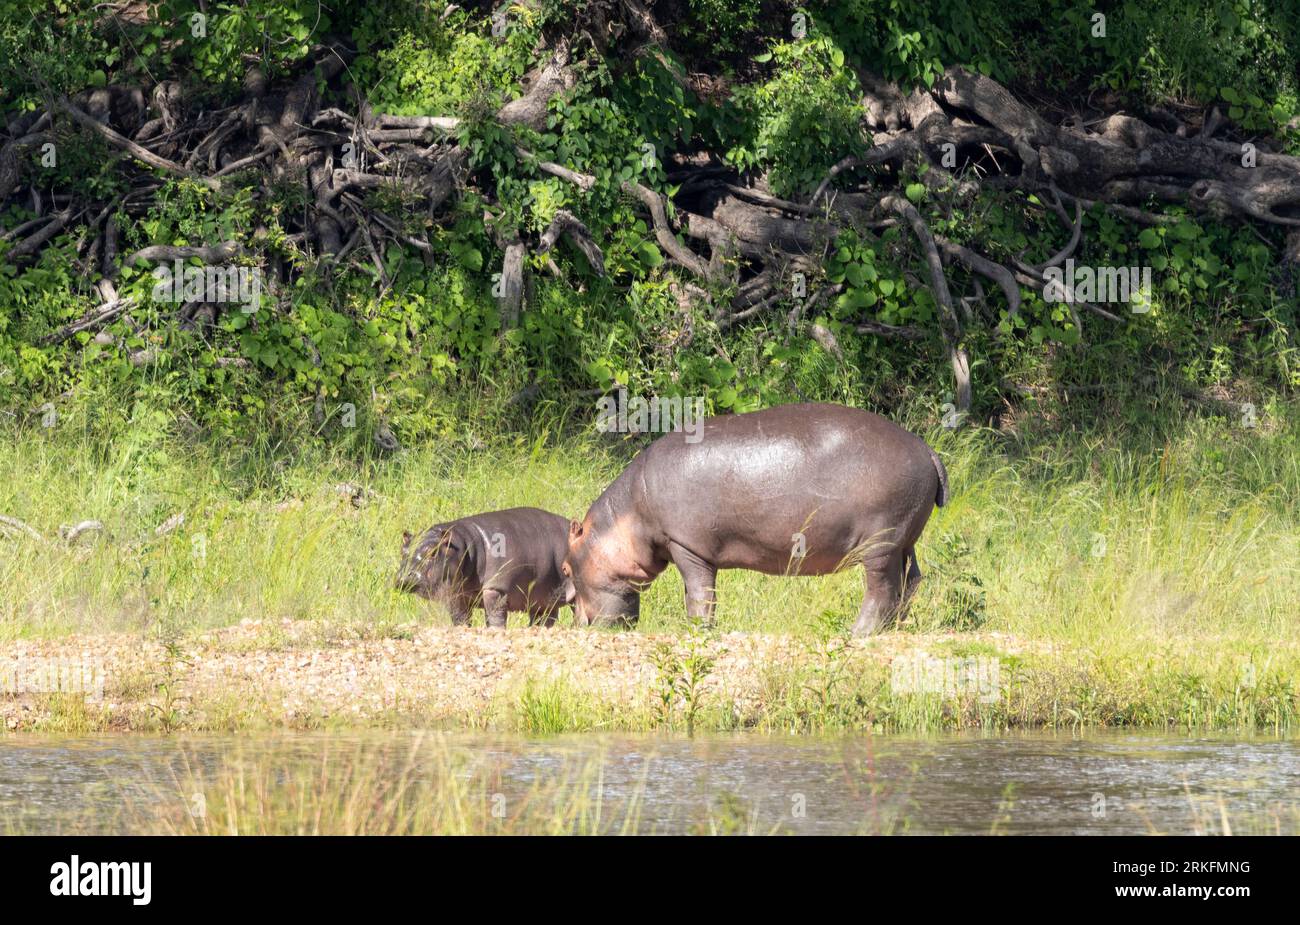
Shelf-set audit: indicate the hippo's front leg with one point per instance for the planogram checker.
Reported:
(460, 610)
(494, 607)
(701, 579)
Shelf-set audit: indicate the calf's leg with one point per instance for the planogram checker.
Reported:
(543, 616)
(460, 611)
(494, 606)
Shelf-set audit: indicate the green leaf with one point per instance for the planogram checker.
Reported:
(648, 253)
(915, 192)
(469, 257)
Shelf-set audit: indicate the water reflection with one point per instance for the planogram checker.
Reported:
(1024, 784)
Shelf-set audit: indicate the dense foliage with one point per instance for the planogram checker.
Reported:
(414, 337)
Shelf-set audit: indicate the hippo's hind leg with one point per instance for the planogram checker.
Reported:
(911, 578)
(884, 590)
(494, 606)
(700, 578)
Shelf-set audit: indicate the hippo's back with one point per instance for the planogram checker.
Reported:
(789, 445)
(533, 528)
(754, 485)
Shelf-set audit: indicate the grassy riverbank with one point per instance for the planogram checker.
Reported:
(1150, 582)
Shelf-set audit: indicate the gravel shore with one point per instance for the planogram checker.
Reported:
(306, 674)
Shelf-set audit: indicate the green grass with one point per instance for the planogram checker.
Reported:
(421, 787)
(1095, 543)
(1156, 580)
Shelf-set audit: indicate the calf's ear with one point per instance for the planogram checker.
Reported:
(575, 529)
(406, 540)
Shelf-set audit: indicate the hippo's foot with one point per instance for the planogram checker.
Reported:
(869, 626)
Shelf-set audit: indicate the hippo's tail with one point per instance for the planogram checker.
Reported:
(941, 497)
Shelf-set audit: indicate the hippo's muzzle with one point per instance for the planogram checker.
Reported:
(608, 609)
(408, 580)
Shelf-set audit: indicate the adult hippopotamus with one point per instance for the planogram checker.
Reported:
(804, 489)
(502, 561)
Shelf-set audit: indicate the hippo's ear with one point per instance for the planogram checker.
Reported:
(406, 540)
(575, 529)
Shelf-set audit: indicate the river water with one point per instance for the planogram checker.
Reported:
(1039, 783)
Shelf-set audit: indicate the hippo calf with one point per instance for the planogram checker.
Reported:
(502, 561)
(803, 489)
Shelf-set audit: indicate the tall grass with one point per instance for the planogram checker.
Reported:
(417, 785)
(417, 788)
(1082, 538)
